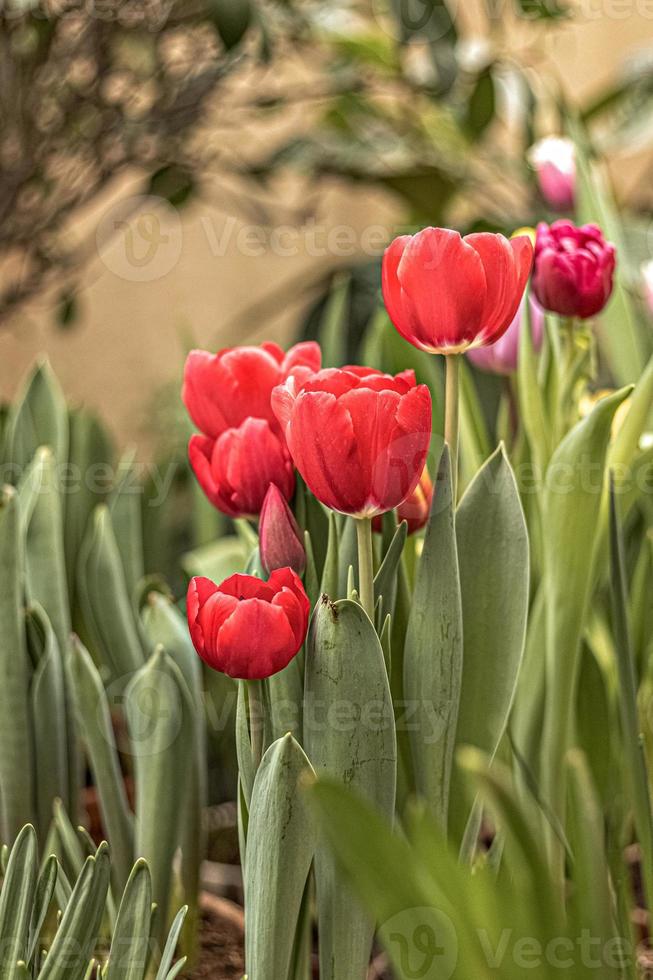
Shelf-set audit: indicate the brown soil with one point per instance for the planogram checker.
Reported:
(222, 953)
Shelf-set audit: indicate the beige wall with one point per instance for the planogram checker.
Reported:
(202, 288)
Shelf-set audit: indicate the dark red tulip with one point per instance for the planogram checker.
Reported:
(245, 627)
(446, 294)
(574, 269)
(222, 390)
(236, 470)
(358, 437)
(280, 540)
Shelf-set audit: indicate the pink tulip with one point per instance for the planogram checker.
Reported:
(502, 356)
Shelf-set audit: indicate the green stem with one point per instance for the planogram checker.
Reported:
(256, 720)
(365, 564)
(451, 412)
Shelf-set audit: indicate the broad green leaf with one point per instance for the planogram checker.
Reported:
(125, 508)
(571, 507)
(46, 584)
(159, 712)
(38, 417)
(396, 886)
(349, 734)
(626, 441)
(334, 324)
(94, 717)
(130, 943)
(532, 407)
(49, 710)
(89, 461)
(217, 560)
(16, 898)
(635, 768)
(16, 771)
(164, 625)
(280, 845)
(171, 945)
(45, 887)
(76, 937)
(591, 894)
(493, 557)
(433, 655)
(105, 602)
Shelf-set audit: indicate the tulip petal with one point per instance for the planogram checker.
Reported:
(308, 354)
(256, 640)
(322, 443)
(445, 286)
(200, 392)
(501, 298)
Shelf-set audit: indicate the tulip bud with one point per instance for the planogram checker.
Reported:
(554, 161)
(280, 540)
(574, 269)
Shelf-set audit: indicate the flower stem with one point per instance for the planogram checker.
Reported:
(256, 720)
(365, 564)
(451, 412)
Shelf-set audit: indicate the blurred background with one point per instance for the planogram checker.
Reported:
(206, 173)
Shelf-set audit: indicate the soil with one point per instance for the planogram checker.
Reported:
(222, 946)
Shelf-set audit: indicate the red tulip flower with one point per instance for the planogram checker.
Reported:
(446, 294)
(415, 508)
(574, 269)
(280, 540)
(247, 628)
(358, 437)
(236, 470)
(222, 390)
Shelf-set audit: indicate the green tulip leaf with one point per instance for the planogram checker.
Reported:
(493, 558)
(130, 943)
(16, 899)
(433, 654)
(349, 734)
(280, 846)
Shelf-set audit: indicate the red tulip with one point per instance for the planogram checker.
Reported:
(222, 390)
(446, 294)
(280, 540)
(574, 269)
(415, 508)
(245, 627)
(358, 437)
(236, 470)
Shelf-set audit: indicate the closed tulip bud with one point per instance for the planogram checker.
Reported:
(446, 294)
(358, 437)
(502, 356)
(554, 162)
(574, 269)
(236, 469)
(247, 628)
(280, 540)
(415, 508)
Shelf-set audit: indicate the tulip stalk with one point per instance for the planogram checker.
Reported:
(365, 564)
(451, 412)
(256, 719)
